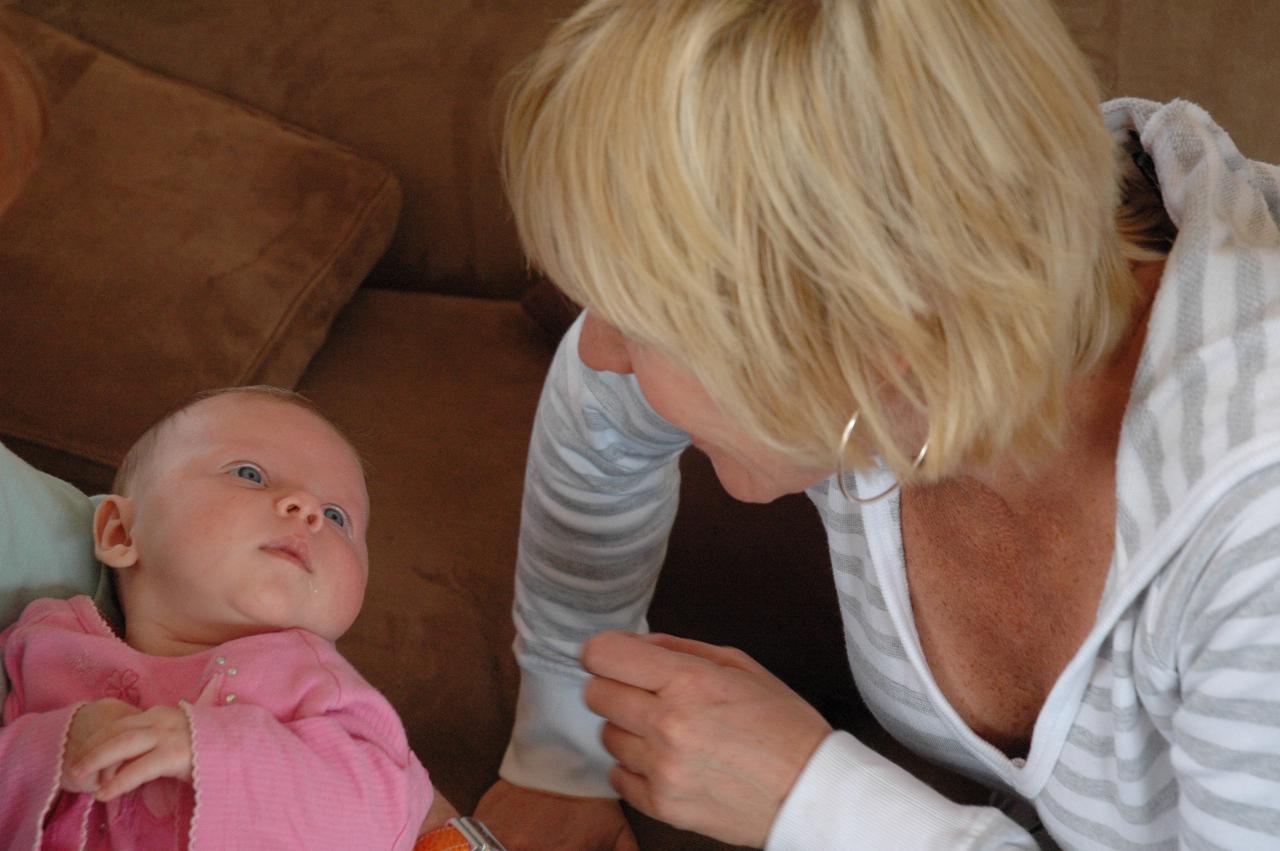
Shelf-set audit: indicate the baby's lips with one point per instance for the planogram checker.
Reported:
(293, 548)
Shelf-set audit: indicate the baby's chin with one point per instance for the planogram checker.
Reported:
(328, 629)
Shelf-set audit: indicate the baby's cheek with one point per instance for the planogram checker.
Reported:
(351, 589)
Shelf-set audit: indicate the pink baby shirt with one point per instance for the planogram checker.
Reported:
(291, 747)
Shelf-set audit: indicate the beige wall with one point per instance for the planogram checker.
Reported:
(1222, 54)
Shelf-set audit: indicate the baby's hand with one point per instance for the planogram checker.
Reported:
(134, 749)
(86, 731)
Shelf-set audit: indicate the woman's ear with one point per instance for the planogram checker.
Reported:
(112, 538)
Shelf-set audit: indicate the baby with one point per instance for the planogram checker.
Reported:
(222, 716)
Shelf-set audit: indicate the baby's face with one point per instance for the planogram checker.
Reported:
(250, 517)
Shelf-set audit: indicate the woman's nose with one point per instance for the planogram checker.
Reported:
(301, 504)
(603, 347)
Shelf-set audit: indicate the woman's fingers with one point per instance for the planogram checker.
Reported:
(705, 737)
(633, 788)
(728, 657)
(652, 661)
(627, 748)
(628, 658)
(626, 706)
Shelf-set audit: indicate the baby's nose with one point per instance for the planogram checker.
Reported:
(302, 504)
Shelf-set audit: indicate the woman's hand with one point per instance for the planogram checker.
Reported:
(531, 820)
(706, 739)
(130, 749)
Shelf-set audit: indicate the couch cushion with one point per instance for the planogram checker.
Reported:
(417, 85)
(171, 236)
(438, 394)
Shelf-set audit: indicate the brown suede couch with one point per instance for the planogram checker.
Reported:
(305, 192)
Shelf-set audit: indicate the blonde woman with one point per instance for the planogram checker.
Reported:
(1021, 354)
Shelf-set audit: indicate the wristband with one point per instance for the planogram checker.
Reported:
(459, 834)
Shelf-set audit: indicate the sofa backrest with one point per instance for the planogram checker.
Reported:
(411, 83)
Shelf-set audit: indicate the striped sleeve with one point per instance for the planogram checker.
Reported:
(600, 494)
(1225, 718)
(849, 796)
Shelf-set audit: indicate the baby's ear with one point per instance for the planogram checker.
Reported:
(112, 538)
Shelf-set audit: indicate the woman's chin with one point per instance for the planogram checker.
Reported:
(764, 481)
(745, 486)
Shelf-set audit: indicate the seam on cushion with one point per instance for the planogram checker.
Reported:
(83, 451)
(97, 452)
(109, 54)
(387, 188)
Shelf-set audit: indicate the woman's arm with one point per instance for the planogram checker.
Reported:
(601, 489)
(849, 796)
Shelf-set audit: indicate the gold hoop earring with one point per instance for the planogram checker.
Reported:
(844, 444)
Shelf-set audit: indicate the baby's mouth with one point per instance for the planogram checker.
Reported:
(292, 548)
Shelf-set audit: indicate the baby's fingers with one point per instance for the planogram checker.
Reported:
(150, 766)
(76, 783)
(120, 747)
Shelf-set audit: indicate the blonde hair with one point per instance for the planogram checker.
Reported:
(23, 121)
(808, 203)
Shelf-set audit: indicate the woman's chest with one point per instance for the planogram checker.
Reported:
(1002, 602)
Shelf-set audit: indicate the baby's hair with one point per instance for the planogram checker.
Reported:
(136, 458)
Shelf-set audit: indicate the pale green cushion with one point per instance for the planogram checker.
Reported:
(46, 540)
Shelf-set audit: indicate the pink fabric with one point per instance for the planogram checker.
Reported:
(292, 748)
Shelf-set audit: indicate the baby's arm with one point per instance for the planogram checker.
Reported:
(311, 757)
(441, 811)
(343, 779)
(113, 748)
(32, 744)
(35, 747)
(86, 730)
(31, 748)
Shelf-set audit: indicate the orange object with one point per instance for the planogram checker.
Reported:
(447, 838)
(459, 834)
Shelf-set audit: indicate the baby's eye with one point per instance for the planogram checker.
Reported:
(336, 514)
(248, 472)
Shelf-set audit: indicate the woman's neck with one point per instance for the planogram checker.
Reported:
(1095, 411)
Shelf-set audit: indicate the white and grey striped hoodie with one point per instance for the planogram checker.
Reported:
(1163, 732)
